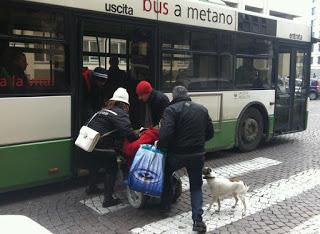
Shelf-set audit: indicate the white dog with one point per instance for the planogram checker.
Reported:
(223, 187)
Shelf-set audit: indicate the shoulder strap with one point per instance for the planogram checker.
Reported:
(91, 118)
(108, 133)
(104, 112)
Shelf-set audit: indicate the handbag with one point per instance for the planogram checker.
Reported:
(147, 171)
(88, 138)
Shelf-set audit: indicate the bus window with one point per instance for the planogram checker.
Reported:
(300, 91)
(176, 68)
(196, 60)
(204, 41)
(97, 52)
(253, 63)
(225, 81)
(300, 84)
(140, 56)
(118, 46)
(253, 73)
(36, 65)
(175, 38)
(31, 23)
(32, 68)
(204, 71)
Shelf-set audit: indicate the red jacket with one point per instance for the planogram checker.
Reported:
(130, 149)
(86, 77)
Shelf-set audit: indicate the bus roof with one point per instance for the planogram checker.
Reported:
(196, 13)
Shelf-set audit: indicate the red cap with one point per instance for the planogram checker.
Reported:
(144, 87)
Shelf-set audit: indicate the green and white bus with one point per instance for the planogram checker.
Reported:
(250, 71)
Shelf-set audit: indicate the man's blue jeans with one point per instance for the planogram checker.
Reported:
(194, 165)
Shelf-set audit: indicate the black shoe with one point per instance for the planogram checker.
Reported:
(93, 190)
(164, 209)
(199, 226)
(112, 202)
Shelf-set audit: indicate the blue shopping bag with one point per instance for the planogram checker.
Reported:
(147, 171)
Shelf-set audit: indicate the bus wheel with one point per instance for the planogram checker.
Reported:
(250, 131)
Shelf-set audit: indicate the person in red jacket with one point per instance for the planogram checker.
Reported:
(129, 149)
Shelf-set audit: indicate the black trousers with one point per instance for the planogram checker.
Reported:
(194, 166)
(102, 160)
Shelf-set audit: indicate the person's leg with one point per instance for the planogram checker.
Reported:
(124, 167)
(171, 165)
(194, 168)
(111, 167)
(94, 166)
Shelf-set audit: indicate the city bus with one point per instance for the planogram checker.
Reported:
(251, 71)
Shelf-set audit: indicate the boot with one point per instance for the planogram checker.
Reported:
(199, 226)
(93, 189)
(111, 202)
(109, 183)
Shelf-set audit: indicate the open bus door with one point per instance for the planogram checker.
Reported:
(133, 45)
(291, 91)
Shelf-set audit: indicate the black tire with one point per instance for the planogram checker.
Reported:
(313, 95)
(250, 130)
(177, 188)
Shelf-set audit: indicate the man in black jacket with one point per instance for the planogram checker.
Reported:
(185, 128)
(113, 119)
(155, 101)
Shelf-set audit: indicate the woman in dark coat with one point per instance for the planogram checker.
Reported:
(113, 119)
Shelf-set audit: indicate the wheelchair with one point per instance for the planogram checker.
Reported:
(139, 200)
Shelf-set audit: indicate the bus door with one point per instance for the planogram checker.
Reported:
(291, 91)
(133, 46)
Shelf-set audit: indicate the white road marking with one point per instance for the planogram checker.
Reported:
(95, 203)
(231, 170)
(311, 226)
(237, 169)
(260, 199)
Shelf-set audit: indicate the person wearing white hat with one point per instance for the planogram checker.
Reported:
(113, 119)
(121, 95)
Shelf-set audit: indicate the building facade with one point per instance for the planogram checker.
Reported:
(275, 8)
(315, 23)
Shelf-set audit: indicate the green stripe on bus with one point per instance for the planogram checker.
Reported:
(26, 165)
(224, 136)
(271, 126)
